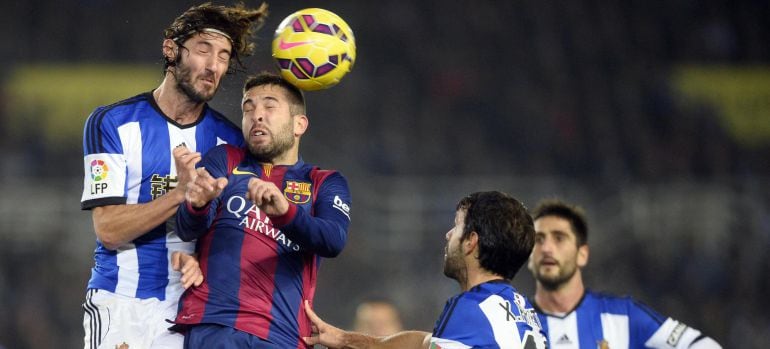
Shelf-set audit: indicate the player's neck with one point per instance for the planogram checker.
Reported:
(562, 299)
(478, 277)
(175, 104)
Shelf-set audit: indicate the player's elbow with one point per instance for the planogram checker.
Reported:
(334, 247)
(330, 253)
(106, 229)
(109, 241)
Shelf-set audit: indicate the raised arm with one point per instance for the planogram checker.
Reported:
(116, 225)
(325, 231)
(334, 337)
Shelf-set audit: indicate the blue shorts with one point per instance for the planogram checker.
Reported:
(213, 336)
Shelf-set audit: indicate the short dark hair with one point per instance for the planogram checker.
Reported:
(296, 97)
(505, 229)
(238, 22)
(571, 213)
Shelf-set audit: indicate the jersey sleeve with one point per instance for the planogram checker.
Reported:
(673, 334)
(325, 231)
(104, 162)
(666, 334)
(192, 223)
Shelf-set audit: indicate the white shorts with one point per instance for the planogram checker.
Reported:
(111, 319)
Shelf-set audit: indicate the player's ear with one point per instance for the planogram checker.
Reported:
(471, 243)
(170, 50)
(301, 123)
(582, 255)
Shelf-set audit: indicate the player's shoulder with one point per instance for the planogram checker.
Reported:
(321, 175)
(118, 113)
(500, 291)
(622, 304)
(120, 107)
(604, 296)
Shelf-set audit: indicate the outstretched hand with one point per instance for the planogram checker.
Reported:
(204, 188)
(323, 333)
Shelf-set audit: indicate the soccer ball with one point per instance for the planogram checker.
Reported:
(314, 49)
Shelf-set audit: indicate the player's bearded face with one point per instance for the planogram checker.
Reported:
(202, 60)
(282, 139)
(554, 258)
(553, 273)
(186, 82)
(454, 264)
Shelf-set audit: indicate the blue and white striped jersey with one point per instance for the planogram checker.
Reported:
(489, 315)
(128, 160)
(608, 322)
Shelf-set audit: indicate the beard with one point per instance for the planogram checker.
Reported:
(553, 282)
(184, 83)
(283, 140)
(454, 267)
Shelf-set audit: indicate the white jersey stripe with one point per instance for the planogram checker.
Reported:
(563, 333)
(128, 270)
(615, 327)
(131, 138)
(176, 137)
(506, 332)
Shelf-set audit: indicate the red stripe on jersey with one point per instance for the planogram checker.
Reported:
(256, 291)
(195, 298)
(309, 275)
(234, 156)
(318, 177)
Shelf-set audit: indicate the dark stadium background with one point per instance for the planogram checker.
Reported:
(654, 115)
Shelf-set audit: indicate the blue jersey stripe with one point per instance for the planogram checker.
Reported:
(589, 323)
(94, 124)
(156, 157)
(223, 278)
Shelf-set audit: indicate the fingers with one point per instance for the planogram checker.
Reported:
(204, 188)
(255, 187)
(311, 340)
(204, 179)
(191, 272)
(183, 156)
(314, 319)
(175, 260)
(221, 183)
(267, 197)
(198, 280)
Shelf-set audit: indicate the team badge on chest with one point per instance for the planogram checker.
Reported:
(297, 192)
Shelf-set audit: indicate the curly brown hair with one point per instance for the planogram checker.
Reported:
(238, 22)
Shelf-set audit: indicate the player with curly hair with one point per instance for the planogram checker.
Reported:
(131, 184)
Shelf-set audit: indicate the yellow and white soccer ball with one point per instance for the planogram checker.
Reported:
(314, 48)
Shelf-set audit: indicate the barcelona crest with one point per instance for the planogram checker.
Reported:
(297, 192)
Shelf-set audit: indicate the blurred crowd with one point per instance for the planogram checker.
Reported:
(505, 93)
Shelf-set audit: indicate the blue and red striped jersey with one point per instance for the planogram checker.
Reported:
(259, 269)
(127, 159)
